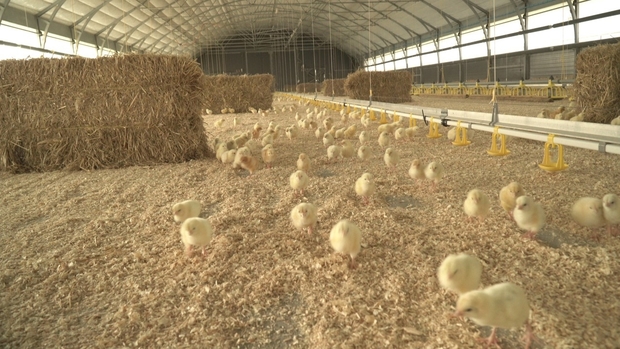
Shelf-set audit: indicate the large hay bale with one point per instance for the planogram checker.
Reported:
(333, 87)
(238, 92)
(388, 86)
(308, 87)
(110, 112)
(597, 86)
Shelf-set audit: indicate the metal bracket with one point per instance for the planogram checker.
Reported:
(444, 117)
(494, 115)
(424, 118)
(601, 147)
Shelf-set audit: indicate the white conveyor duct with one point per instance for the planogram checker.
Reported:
(593, 136)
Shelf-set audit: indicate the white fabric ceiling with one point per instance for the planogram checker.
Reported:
(191, 26)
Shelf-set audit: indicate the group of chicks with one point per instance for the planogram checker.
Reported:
(572, 113)
(503, 305)
(529, 215)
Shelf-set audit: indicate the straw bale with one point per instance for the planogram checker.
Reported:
(308, 87)
(389, 86)
(333, 87)
(108, 112)
(238, 92)
(597, 86)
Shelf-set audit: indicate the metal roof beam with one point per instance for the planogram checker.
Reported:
(46, 22)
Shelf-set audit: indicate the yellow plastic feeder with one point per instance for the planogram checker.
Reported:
(433, 129)
(549, 166)
(383, 118)
(461, 136)
(412, 121)
(502, 148)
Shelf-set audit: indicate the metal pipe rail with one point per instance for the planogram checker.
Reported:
(600, 137)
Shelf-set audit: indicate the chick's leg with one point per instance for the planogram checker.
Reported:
(529, 335)
(188, 250)
(492, 340)
(353, 263)
(530, 235)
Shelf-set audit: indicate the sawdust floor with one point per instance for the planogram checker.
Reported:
(94, 259)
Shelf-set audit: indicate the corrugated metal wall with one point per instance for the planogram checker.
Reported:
(560, 64)
(288, 67)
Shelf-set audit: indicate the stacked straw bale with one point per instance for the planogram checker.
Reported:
(597, 86)
(109, 112)
(389, 86)
(238, 92)
(308, 87)
(333, 87)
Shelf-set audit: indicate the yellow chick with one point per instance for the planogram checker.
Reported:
(290, 133)
(350, 132)
(186, 209)
(268, 155)
(209, 111)
(299, 181)
(578, 117)
(303, 163)
(304, 216)
(508, 197)
(328, 123)
(339, 133)
(529, 215)
(345, 237)
(224, 111)
(588, 212)
(365, 121)
(434, 172)
(364, 137)
(400, 134)
(452, 133)
(218, 123)
(268, 139)
(543, 114)
(334, 152)
(611, 211)
(365, 186)
(319, 132)
(347, 149)
(328, 140)
(241, 140)
(477, 204)
(252, 110)
(416, 171)
(384, 139)
(364, 153)
(196, 232)
(460, 273)
(502, 305)
(249, 163)
(411, 132)
(277, 130)
(221, 149)
(231, 110)
(391, 158)
(615, 121)
(229, 156)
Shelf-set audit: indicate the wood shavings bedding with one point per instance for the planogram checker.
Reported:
(94, 259)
